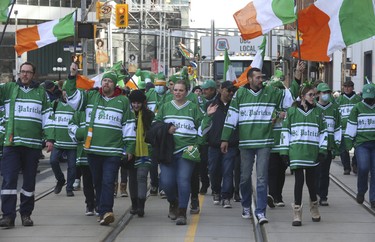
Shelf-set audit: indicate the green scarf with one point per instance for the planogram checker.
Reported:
(9, 132)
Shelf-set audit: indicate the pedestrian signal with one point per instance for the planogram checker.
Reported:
(121, 15)
(353, 69)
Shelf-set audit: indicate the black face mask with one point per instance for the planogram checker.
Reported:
(369, 101)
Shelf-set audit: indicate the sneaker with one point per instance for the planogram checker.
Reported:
(323, 203)
(26, 220)
(6, 222)
(123, 191)
(262, 218)
(107, 218)
(76, 184)
(216, 198)
(90, 212)
(162, 194)
(226, 203)
(153, 191)
(346, 172)
(69, 193)
(279, 204)
(58, 187)
(194, 206)
(246, 213)
(237, 197)
(360, 198)
(270, 201)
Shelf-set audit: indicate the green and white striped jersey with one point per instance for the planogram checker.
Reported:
(345, 105)
(63, 114)
(332, 117)
(361, 125)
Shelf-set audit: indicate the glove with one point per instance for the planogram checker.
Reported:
(285, 159)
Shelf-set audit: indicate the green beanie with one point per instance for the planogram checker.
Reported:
(111, 75)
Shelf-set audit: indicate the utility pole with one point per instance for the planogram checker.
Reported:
(343, 66)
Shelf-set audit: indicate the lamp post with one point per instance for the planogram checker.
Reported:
(59, 67)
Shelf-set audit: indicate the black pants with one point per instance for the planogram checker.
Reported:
(194, 183)
(237, 173)
(203, 166)
(322, 176)
(299, 175)
(88, 187)
(276, 176)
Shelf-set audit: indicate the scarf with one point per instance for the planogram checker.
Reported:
(9, 132)
(141, 148)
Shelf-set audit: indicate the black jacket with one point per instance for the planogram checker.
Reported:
(161, 141)
(218, 120)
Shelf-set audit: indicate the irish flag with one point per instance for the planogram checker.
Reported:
(257, 63)
(327, 27)
(4, 10)
(44, 34)
(260, 16)
(229, 73)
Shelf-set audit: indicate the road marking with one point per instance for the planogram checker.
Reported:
(191, 231)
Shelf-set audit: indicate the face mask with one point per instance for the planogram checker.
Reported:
(159, 89)
(325, 97)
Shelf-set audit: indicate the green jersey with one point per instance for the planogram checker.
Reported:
(154, 100)
(345, 105)
(252, 112)
(27, 115)
(63, 114)
(361, 125)
(303, 137)
(186, 118)
(332, 117)
(113, 126)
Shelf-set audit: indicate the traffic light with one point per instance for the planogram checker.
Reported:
(353, 69)
(121, 15)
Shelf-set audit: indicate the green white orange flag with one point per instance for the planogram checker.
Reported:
(260, 16)
(330, 26)
(4, 10)
(44, 34)
(228, 73)
(257, 62)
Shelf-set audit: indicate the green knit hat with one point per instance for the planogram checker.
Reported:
(111, 75)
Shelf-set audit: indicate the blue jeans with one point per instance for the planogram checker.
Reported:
(175, 179)
(16, 159)
(220, 167)
(104, 170)
(365, 153)
(55, 165)
(247, 162)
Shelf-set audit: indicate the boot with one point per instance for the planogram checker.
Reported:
(297, 218)
(181, 218)
(123, 191)
(115, 189)
(141, 207)
(134, 209)
(173, 210)
(314, 210)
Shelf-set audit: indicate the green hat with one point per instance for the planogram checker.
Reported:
(323, 87)
(141, 84)
(277, 84)
(368, 91)
(160, 79)
(111, 75)
(208, 84)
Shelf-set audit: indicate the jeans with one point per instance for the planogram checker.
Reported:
(55, 165)
(16, 159)
(276, 177)
(104, 170)
(247, 162)
(138, 182)
(365, 153)
(322, 176)
(175, 179)
(345, 156)
(221, 167)
(237, 172)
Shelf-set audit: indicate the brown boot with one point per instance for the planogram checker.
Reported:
(297, 218)
(123, 191)
(173, 206)
(314, 210)
(181, 217)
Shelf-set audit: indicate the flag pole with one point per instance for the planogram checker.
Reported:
(127, 73)
(75, 33)
(298, 41)
(8, 19)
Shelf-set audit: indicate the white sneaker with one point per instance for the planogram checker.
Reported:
(262, 218)
(77, 184)
(246, 213)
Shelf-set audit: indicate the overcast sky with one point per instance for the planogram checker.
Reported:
(203, 11)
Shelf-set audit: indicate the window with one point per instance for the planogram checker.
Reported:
(367, 72)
